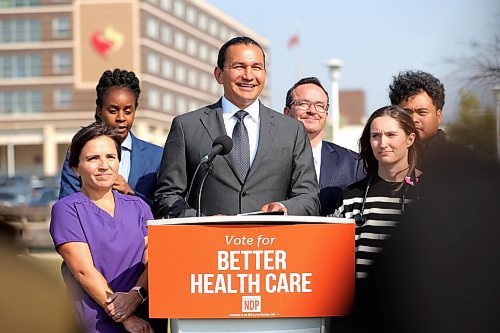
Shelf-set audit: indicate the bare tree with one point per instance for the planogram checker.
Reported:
(482, 68)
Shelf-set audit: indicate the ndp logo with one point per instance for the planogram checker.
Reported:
(251, 304)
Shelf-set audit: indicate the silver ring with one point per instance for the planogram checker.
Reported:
(119, 314)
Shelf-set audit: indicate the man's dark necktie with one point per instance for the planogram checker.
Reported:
(241, 144)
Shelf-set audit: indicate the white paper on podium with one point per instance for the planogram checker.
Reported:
(251, 219)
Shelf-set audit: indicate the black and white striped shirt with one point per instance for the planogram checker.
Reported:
(382, 210)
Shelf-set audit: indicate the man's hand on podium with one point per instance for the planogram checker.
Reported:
(274, 207)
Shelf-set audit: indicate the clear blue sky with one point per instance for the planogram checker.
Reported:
(374, 39)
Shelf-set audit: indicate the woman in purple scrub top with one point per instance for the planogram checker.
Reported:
(102, 237)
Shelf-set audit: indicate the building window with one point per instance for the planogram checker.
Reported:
(181, 105)
(19, 3)
(61, 62)
(213, 56)
(179, 40)
(180, 73)
(223, 33)
(63, 98)
(179, 8)
(203, 51)
(214, 88)
(192, 77)
(168, 102)
(20, 31)
(17, 66)
(214, 27)
(191, 15)
(202, 21)
(152, 28)
(204, 79)
(20, 102)
(166, 34)
(153, 98)
(167, 68)
(166, 4)
(191, 46)
(153, 63)
(60, 27)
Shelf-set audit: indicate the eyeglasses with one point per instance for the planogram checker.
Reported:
(240, 69)
(305, 105)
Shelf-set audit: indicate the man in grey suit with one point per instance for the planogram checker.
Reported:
(270, 167)
(336, 166)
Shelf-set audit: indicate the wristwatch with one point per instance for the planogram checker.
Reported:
(143, 293)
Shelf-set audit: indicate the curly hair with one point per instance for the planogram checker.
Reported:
(221, 58)
(115, 79)
(370, 163)
(410, 83)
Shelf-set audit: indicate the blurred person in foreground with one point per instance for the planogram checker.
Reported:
(102, 237)
(270, 167)
(116, 105)
(32, 300)
(336, 167)
(439, 271)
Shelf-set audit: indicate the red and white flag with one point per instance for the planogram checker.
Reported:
(293, 41)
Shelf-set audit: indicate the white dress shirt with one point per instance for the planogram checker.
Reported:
(317, 158)
(124, 168)
(252, 123)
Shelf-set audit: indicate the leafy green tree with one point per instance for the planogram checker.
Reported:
(474, 128)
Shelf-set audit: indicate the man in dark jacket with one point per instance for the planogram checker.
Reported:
(336, 167)
(422, 96)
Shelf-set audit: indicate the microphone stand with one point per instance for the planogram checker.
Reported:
(208, 171)
(186, 198)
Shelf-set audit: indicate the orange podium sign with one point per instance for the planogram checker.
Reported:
(241, 267)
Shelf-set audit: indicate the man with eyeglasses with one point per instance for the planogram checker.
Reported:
(270, 167)
(336, 167)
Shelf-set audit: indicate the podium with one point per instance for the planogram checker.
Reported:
(254, 273)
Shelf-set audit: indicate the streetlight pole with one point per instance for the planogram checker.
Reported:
(334, 65)
(496, 91)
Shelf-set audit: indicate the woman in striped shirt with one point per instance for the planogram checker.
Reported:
(388, 148)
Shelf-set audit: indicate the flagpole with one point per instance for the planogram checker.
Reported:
(298, 59)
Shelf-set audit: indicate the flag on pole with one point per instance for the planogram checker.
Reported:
(293, 41)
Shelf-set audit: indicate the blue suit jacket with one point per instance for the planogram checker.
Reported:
(340, 168)
(145, 161)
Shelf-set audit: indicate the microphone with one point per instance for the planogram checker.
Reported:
(221, 146)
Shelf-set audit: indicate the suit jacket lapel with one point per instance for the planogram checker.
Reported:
(328, 165)
(213, 122)
(137, 161)
(268, 129)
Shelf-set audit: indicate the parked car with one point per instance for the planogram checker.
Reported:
(44, 196)
(12, 198)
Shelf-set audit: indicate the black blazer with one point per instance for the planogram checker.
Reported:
(340, 168)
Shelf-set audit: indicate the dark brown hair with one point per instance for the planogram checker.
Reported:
(370, 163)
(90, 132)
